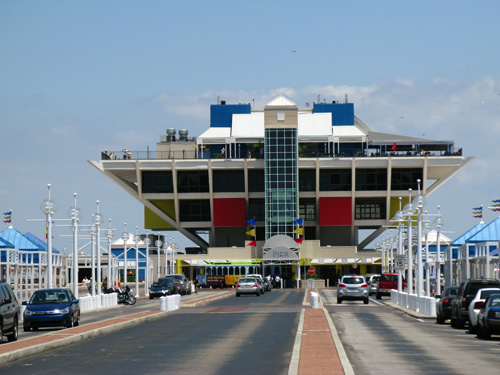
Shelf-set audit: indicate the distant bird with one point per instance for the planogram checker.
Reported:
(293, 51)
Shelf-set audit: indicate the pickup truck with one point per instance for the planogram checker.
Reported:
(386, 283)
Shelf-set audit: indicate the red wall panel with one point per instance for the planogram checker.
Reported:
(229, 212)
(335, 211)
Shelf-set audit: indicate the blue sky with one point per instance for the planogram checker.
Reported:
(80, 77)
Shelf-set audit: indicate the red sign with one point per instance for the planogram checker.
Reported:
(311, 270)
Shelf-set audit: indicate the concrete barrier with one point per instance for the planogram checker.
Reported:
(89, 303)
(423, 305)
(313, 297)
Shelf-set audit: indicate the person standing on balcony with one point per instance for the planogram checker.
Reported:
(129, 154)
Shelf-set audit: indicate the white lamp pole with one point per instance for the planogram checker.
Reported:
(137, 238)
(438, 223)
(426, 229)
(409, 211)
(399, 217)
(75, 215)
(165, 250)
(147, 242)
(420, 203)
(97, 223)
(109, 235)
(92, 261)
(158, 244)
(49, 208)
(125, 237)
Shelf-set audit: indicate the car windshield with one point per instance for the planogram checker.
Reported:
(494, 301)
(249, 280)
(353, 280)
(486, 293)
(43, 297)
(474, 287)
(375, 278)
(452, 292)
(390, 278)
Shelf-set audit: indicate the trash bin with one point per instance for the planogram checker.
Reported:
(163, 303)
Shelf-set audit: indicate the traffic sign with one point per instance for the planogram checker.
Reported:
(311, 270)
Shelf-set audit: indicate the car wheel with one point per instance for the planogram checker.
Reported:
(339, 300)
(1, 333)
(15, 332)
(151, 296)
(472, 329)
(460, 323)
(486, 335)
(70, 324)
(26, 328)
(453, 322)
(237, 294)
(378, 296)
(35, 328)
(479, 332)
(439, 319)
(222, 285)
(366, 301)
(257, 293)
(77, 322)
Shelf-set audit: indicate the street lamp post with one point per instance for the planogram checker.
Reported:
(97, 223)
(125, 237)
(408, 210)
(438, 223)
(165, 250)
(49, 208)
(109, 235)
(147, 242)
(137, 239)
(92, 261)
(158, 244)
(426, 229)
(75, 215)
(420, 203)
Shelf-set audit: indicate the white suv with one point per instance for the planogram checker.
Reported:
(353, 287)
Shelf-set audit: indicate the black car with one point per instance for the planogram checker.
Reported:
(163, 287)
(466, 293)
(443, 305)
(9, 313)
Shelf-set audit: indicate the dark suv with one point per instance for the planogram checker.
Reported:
(9, 313)
(466, 293)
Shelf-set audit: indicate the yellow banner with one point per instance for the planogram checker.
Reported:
(299, 231)
(251, 233)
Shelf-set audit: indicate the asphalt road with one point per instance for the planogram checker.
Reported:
(245, 335)
(381, 340)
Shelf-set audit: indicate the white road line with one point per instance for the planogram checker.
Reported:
(293, 369)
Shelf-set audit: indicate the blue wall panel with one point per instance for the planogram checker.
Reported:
(342, 113)
(221, 115)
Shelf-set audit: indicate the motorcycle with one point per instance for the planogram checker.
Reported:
(125, 296)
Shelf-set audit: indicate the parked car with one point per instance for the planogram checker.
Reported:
(372, 281)
(443, 304)
(51, 308)
(248, 285)
(352, 287)
(488, 319)
(474, 306)
(185, 282)
(387, 282)
(163, 287)
(9, 313)
(466, 292)
(176, 281)
(265, 282)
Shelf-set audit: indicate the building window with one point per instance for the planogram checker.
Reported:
(307, 209)
(370, 209)
(192, 182)
(194, 210)
(257, 209)
(307, 180)
(157, 182)
(335, 180)
(281, 116)
(256, 180)
(405, 178)
(227, 181)
(371, 179)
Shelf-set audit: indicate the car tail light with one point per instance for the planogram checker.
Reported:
(255, 285)
(342, 285)
(237, 285)
(464, 302)
(446, 301)
(478, 305)
(364, 286)
(491, 314)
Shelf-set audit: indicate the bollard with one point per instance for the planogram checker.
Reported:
(163, 303)
(314, 300)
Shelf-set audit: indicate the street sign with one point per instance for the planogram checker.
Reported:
(399, 262)
(311, 270)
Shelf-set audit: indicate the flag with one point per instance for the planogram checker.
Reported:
(299, 221)
(251, 222)
(298, 231)
(496, 201)
(7, 221)
(10, 212)
(251, 232)
(298, 240)
(478, 216)
(8, 217)
(394, 147)
(252, 243)
(478, 208)
(477, 212)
